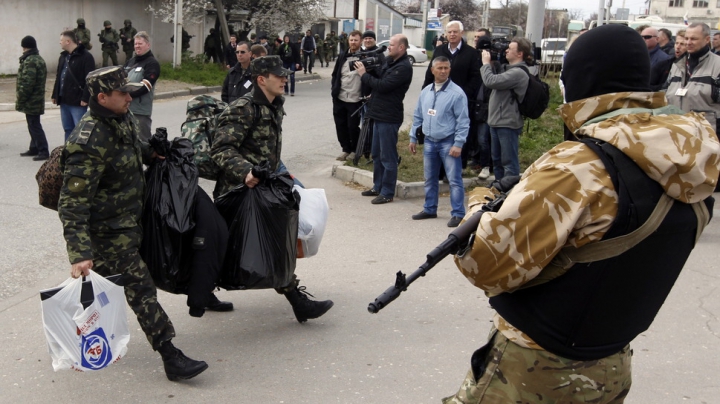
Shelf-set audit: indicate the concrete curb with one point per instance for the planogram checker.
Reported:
(403, 190)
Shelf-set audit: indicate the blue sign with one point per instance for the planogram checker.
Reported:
(434, 25)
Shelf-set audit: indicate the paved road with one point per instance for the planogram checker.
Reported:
(417, 350)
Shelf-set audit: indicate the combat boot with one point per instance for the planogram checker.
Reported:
(304, 308)
(177, 365)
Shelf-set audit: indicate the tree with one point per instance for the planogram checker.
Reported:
(510, 13)
(593, 17)
(266, 15)
(466, 11)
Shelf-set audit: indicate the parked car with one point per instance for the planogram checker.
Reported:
(553, 51)
(415, 54)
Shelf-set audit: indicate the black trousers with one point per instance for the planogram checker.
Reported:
(347, 125)
(38, 141)
(210, 240)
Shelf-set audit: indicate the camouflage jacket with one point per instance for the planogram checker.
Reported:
(109, 39)
(566, 197)
(128, 43)
(31, 84)
(83, 37)
(103, 187)
(240, 144)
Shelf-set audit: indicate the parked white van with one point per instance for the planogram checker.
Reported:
(553, 50)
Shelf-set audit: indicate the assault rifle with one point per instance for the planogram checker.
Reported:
(459, 241)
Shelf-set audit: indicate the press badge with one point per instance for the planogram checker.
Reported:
(247, 84)
(681, 92)
(431, 112)
(138, 69)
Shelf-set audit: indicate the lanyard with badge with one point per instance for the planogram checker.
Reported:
(682, 90)
(432, 111)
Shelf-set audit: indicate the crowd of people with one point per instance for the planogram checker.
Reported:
(631, 151)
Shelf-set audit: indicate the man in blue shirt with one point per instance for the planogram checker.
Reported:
(442, 113)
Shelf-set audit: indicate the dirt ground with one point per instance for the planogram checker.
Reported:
(8, 86)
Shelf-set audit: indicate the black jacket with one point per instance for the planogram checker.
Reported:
(366, 90)
(464, 68)
(236, 84)
(291, 55)
(75, 89)
(388, 91)
(230, 57)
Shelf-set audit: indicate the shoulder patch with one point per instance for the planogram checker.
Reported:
(84, 130)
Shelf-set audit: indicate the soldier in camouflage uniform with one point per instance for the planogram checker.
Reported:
(577, 299)
(100, 206)
(109, 39)
(241, 142)
(333, 44)
(31, 96)
(127, 35)
(82, 34)
(328, 48)
(319, 49)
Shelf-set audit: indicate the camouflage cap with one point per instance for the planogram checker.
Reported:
(110, 78)
(81, 21)
(106, 23)
(269, 64)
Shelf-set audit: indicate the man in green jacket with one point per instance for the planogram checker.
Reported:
(31, 97)
(127, 37)
(101, 202)
(82, 34)
(109, 39)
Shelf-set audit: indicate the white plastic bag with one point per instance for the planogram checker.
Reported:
(86, 339)
(311, 221)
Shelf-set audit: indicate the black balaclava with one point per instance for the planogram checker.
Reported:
(608, 59)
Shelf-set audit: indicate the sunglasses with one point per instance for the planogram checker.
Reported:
(241, 52)
(646, 37)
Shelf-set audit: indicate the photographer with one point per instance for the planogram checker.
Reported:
(504, 117)
(386, 109)
(346, 92)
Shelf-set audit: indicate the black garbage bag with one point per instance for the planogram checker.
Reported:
(263, 227)
(168, 213)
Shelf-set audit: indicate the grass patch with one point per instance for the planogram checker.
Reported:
(538, 137)
(195, 70)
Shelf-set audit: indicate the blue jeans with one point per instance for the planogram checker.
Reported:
(70, 115)
(436, 154)
(504, 145)
(385, 157)
(291, 80)
(283, 169)
(483, 155)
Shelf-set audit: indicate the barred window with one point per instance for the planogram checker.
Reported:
(677, 3)
(700, 3)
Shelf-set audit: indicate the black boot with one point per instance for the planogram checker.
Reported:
(304, 308)
(177, 365)
(214, 304)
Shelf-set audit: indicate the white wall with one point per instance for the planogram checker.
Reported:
(46, 19)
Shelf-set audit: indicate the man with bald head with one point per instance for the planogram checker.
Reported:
(386, 110)
(660, 62)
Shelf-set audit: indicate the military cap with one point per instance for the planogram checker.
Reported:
(81, 21)
(127, 22)
(110, 78)
(269, 64)
(106, 23)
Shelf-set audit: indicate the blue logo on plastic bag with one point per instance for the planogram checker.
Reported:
(95, 350)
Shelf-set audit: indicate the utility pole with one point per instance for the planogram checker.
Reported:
(177, 48)
(223, 21)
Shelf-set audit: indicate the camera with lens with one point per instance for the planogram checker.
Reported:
(496, 46)
(369, 59)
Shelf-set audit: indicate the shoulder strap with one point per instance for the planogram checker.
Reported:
(513, 94)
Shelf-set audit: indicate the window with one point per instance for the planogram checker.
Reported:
(700, 3)
(676, 3)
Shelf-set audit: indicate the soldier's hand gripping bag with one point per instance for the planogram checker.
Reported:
(263, 226)
(168, 214)
(85, 338)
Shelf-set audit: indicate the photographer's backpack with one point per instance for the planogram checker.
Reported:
(537, 96)
(200, 124)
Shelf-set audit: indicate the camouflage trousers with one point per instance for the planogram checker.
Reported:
(513, 374)
(140, 294)
(109, 53)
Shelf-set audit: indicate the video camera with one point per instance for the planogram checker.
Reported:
(496, 46)
(369, 59)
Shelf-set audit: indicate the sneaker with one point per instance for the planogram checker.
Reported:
(350, 157)
(484, 173)
(424, 215)
(454, 221)
(370, 192)
(342, 157)
(380, 200)
(292, 94)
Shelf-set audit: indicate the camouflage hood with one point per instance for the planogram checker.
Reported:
(678, 150)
